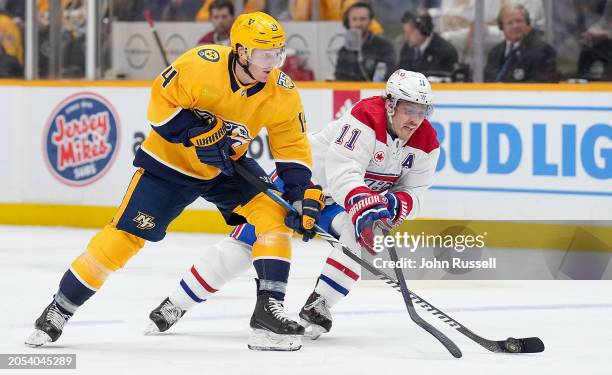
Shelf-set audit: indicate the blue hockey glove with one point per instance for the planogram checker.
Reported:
(364, 208)
(212, 144)
(399, 205)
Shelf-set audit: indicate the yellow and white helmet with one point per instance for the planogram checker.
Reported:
(262, 37)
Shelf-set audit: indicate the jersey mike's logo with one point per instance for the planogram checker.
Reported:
(81, 139)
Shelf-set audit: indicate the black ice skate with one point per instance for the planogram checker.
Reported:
(164, 316)
(315, 316)
(48, 326)
(272, 330)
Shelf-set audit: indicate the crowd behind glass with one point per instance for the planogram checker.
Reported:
(521, 40)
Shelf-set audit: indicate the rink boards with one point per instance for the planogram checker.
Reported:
(508, 152)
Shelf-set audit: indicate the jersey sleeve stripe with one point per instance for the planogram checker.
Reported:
(380, 177)
(292, 161)
(176, 129)
(164, 122)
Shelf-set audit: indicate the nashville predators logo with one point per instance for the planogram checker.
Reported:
(238, 133)
(285, 81)
(209, 54)
(144, 221)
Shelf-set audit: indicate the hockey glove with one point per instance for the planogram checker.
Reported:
(212, 144)
(364, 208)
(309, 211)
(399, 205)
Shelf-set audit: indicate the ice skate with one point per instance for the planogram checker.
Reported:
(315, 317)
(48, 326)
(272, 330)
(163, 317)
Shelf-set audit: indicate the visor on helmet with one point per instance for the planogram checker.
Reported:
(268, 58)
(412, 109)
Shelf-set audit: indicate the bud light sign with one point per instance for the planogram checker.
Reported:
(81, 139)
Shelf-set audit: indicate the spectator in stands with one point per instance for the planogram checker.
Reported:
(365, 56)
(424, 50)
(221, 17)
(11, 50)
(457, 23)
(10, 36)
(9, 66)
(329, 10)
(249, 7)
(595, 62)
(176, 10)
(133, 10)
(14, 8)
(296, 67)
(523, 56)
(73, 39)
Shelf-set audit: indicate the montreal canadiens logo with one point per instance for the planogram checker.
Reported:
(81, 139)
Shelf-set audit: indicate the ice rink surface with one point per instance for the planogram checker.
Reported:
(372, 332)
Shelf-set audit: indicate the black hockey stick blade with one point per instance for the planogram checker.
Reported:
(525, 345)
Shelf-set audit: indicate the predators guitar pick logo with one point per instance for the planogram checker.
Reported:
(209, 54)
(144, 221)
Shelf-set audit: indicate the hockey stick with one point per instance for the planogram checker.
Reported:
(149, 18)
(510, 345)
(408, 301)
(263, 187)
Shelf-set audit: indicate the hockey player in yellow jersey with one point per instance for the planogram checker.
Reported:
(204, 110)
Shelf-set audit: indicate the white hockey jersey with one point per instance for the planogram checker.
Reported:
(356, 151)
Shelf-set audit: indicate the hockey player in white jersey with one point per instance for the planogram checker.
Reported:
(374, 163)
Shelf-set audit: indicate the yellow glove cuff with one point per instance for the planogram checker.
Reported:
(210, 137)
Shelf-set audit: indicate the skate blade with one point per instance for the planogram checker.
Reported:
(268, 341)
(151, 329)
(37, 338)
(312, 331)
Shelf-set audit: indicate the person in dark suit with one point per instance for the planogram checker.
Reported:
(523, 56)
(372, 58)
(595, 61)
(425, 51)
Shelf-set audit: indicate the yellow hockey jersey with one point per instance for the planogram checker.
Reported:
(203, 79)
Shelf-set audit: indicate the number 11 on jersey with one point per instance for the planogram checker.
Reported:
(350, 144)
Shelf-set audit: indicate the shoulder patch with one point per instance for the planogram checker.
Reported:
(209, 54)
(285, 81)
(424, 138)
(371, 112)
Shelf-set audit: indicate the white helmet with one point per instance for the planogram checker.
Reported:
(411, 87)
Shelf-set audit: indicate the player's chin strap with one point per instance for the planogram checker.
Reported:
(510, 345)
(245, 67)
(390, 116)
